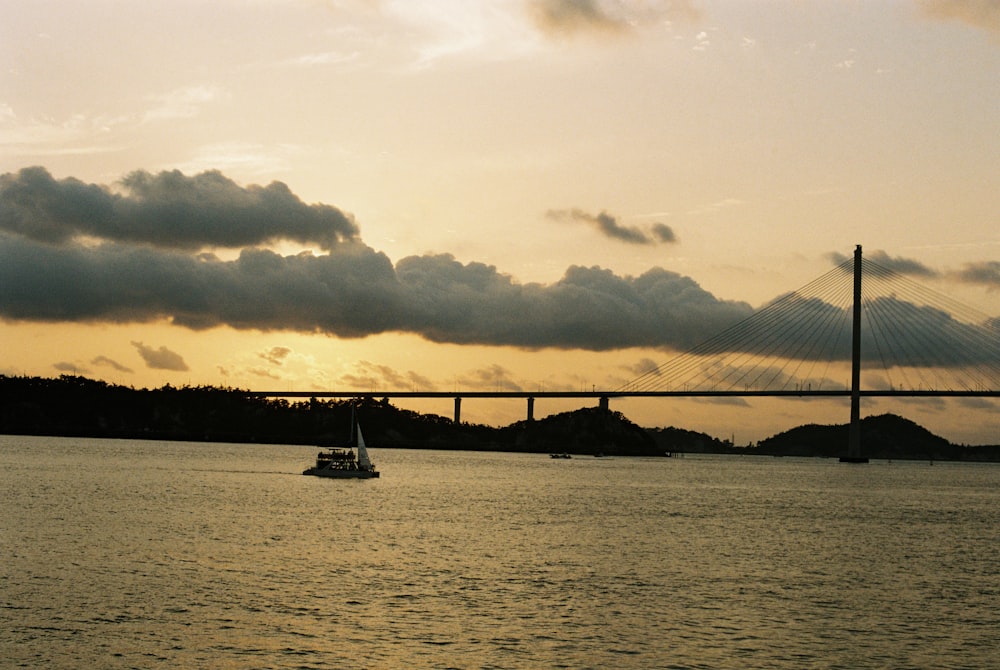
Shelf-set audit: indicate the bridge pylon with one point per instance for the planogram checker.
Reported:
(854, 433)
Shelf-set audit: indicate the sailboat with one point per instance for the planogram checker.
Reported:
(341, 462)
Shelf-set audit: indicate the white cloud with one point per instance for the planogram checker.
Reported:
(183, 103)
(77, 134)
(450, 28)
(245, 158)
(323, 58)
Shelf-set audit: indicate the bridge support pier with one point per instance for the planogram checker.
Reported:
(603, 403)
(458, 409)
(531, 408)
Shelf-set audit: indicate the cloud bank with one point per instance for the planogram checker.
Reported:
(168, 209)
(147, 267)
(75, 252)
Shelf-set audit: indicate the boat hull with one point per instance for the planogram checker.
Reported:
(342, 474)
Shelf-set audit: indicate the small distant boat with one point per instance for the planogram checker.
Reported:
(563, 455)
(341, 462)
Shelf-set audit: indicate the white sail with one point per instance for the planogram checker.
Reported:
(363, 459)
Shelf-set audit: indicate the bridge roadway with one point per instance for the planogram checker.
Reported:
(603, 397)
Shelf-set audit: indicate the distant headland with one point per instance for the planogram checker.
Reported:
(74, 406)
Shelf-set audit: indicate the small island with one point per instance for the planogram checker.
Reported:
(74, 406)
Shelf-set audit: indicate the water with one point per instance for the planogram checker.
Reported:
(121, 554)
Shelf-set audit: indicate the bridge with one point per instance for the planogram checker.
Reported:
(911, 340)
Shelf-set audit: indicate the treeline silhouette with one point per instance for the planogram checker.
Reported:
(74, 406)
(80, 407)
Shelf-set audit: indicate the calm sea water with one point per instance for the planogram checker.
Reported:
(123, 554)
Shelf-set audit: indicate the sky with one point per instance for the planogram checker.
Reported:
(383, 195)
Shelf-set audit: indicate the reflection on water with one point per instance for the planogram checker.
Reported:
(145, 554)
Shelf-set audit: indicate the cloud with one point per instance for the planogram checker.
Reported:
(609, 227)
(702, 42)
(985, 273)
(111, 363)
(132, 284)
(47, 274)
(323, 58)
(898, 265)
(571, 17)
(183, 103)
(262, 372)
(733, 401)
(490, 378)
(419, 381)
(247, 157)
(375, 376)
(984, 14)
(275, 355)
(355, 292)
(167, 210)
(663, 233)
(71, 368)
(160, 359)
(978, 403)
(76, 134)
(644, 366)
(588, 308)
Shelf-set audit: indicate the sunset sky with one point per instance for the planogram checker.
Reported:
(480, 194)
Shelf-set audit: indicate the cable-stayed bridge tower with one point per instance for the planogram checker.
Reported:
(880, 335)
(854, 434)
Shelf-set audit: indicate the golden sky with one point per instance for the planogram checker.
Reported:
(480, 194)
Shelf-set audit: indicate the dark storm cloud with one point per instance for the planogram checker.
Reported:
(589, 308)
(609, 226)
(167, 210)
(353, 293)
(160, 359)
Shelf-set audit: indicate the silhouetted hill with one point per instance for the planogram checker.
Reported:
(588, 430)
(885, 436)
(77, 406)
